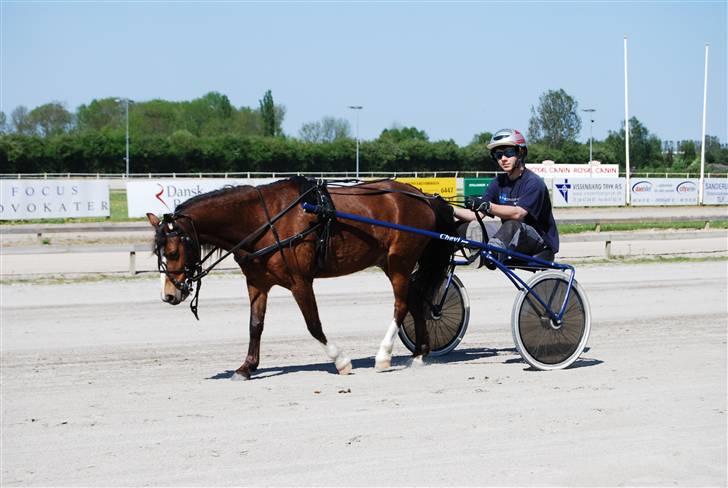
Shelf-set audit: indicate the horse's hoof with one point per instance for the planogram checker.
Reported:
(417, 362)
(345, 369)
(238, 376)
(382, 364)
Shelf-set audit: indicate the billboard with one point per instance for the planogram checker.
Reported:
(588, 192)
(575, 170)
(445, 187)
(664, 191)
(715, 191)
(163, 196)
(50, 199)
(475, 187)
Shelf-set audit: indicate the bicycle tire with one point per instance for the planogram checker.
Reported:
(541, 343)
(447, 329)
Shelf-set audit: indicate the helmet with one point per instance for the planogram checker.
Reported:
(507, 137)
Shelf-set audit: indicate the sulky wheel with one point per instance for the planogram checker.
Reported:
(447, 327)
(542, 343)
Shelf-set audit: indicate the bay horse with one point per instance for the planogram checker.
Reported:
(275, 242)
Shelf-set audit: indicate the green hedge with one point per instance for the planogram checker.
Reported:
(183, 152)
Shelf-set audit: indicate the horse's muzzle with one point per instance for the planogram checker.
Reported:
(172, 299)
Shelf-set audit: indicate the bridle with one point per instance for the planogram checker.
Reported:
(193, 269)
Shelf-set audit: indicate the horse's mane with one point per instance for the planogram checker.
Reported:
(224, 191)
(208, 195)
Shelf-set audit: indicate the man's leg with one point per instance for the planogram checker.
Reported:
(517, 236)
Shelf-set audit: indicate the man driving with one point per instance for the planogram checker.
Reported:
(519, 198)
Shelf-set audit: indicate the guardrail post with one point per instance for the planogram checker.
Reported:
(707, 225)
(132, 262)
(608, 249)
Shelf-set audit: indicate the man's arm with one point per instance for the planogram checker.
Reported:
(508, 212)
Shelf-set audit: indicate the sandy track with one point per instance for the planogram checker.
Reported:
(104, 385)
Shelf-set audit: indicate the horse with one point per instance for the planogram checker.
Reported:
(275, 242)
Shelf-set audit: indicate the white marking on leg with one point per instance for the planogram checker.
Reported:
(417, 362)
(163, 279)
(383, 359)
(341, 360)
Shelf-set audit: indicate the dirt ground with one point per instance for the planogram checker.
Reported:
(105, 385)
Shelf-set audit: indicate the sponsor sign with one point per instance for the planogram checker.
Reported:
(46, 199)
(163, 196)
(445, 187)
(664, 191)
(575, 170)
(475, 187)
(588, 192)
(715, 191)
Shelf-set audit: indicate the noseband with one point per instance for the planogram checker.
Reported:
(193, 267)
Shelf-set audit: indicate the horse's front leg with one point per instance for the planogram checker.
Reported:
(258, 302)
(303, 293)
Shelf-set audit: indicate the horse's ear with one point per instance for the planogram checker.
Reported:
(153, 219)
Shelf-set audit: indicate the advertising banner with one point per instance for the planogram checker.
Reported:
(588, 192)
(475, 187)
(575, 170)
(51, 199)
(445, 187)
(664, 191)
(715, 191)
(163, 196)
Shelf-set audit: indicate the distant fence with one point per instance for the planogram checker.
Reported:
(324, 174)
(42, 198)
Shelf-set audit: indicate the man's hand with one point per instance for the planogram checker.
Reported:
(477, 204)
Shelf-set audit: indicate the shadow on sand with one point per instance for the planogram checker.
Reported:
(402, 361)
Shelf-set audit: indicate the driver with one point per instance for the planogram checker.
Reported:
(519, 198)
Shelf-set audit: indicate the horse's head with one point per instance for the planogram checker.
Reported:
(178, 256)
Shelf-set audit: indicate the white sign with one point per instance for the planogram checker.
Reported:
(575, 170)
(664, 191)
(715, 191)
(163, 196)
(52, 199)
(588, 192)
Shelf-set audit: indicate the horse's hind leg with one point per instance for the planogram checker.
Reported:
(303, 293)
(400, 284)
(258, 302)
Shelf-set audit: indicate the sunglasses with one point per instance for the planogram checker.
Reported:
(508, 152)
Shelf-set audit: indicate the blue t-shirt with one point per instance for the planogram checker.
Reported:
(528, 192)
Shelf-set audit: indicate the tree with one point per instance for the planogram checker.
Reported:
(712, 150)
(51, 119)
(211, 114)
(556, 120)
(101, 115)
(400, 134)
(3, 123)
(482, 138)
(19, 118)
(268, 114)
(328, 129)
(645, 149)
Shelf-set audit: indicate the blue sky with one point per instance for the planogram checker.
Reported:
(450, 69)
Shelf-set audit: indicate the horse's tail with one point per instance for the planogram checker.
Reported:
(435, 259)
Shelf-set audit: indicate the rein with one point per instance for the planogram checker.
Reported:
(195, 272)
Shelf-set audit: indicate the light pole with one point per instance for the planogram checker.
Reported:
(590, 111)
(126, 101)
(357, 108)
